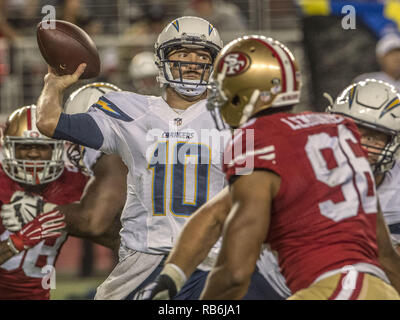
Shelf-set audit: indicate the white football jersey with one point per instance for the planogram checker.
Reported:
(90, 157)
(174, 163)
(388, 193)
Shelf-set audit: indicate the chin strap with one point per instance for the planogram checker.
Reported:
(190, 90)
(328, 97)
(248, 109)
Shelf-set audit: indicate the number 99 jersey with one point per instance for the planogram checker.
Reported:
(324, 215)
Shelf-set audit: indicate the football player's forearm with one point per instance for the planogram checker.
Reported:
(110, 238)
(78, 221)
(80, 224)
(221, 286)
(97, 215)
(200, 233)
(194, 244)
(5, 252)
(48, 110)
(244, 232)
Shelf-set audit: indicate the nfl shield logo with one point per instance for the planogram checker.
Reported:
(178, 121)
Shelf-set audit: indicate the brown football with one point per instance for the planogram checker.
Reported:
(66, 46)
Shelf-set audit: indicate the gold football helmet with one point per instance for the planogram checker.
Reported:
(251, 74)
(21, 129)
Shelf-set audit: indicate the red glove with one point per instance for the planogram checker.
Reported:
(46, 225)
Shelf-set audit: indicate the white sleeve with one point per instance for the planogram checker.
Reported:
(108, 128)
(110, 115)
(90, 157)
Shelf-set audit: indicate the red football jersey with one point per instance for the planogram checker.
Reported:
(324, 215)
(21, 276)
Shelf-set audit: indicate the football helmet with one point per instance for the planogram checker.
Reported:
(187, 32)
(251, 74)
(21, 129)
(79, 102)
(84, 97)
(373, 104)
(143, 72)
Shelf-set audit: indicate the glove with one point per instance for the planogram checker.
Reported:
(23, 208)
(44, 226)
(165, 287)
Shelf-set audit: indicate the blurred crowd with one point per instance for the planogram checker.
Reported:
(121, 18)
(110, 17)
(132, 21)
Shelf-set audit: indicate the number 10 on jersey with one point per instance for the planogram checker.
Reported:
(182, 174)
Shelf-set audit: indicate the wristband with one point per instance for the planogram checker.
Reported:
(176, 274)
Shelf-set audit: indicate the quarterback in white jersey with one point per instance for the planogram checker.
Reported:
(184, 170)
(170, 146)
(375, 107)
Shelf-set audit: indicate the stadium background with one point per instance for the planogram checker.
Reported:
(330, 58)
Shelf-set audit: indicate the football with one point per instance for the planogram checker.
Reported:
(66, 46)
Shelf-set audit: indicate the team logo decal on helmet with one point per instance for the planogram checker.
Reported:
(373, 104)
(352, 94)
(210, 28)
(176, 25)
(237, 62)
(390, 106)
(250, 70)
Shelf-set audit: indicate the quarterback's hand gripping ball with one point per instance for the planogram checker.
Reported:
(64, 46)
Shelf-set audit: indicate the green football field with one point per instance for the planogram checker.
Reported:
(75, 288)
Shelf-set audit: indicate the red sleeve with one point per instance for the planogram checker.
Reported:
(252, 149)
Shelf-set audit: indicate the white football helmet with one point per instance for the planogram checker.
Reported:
(83, 98)
(188, 32)
(373, 104)
(79, 102)
(21, 129)
(143, 72)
